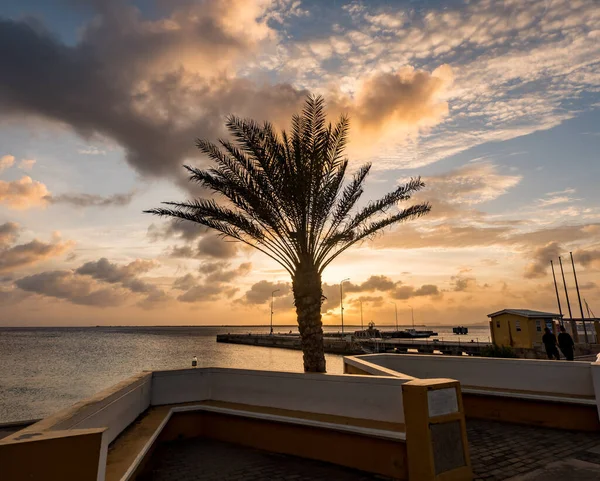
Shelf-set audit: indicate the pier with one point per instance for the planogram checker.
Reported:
(350, 345)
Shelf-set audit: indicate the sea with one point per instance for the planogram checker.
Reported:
(43, 370)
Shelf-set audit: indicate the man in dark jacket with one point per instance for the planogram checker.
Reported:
(565, 342)
(549, 340)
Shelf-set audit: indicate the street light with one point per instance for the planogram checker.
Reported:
(361, 318)
(272, 294)
(412, 315)
(342, 301)
(396, 310)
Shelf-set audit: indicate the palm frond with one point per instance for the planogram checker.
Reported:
(285, 194)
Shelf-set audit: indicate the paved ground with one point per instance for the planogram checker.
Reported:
(498, 452)
(207, 460)
(502, 451)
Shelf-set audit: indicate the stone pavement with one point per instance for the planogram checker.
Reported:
(208, 460)
(501, 451)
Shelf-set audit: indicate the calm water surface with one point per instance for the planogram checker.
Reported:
(43, 370)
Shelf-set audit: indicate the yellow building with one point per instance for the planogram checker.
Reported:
(520, 327)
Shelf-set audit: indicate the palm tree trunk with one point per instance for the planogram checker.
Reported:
(306, 284)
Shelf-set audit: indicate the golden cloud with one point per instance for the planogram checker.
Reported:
(24, 193)
(6, 161)
(33, 252)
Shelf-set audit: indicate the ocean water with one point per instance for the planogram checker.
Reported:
(43, 370)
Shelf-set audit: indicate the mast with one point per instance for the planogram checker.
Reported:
(579, 298)
(565, 284)
(556, 289)
(576, 285)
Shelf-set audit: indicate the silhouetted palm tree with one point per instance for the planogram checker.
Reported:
(285, 195)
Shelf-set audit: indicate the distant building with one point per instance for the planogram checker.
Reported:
(520, 327)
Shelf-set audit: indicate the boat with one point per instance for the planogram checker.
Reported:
(370, 333)
(410, 334)
(460, 330)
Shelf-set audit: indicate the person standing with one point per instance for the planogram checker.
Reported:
(566, 344)
(549, 340)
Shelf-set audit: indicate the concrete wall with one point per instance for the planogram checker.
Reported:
(595, 372)
(73, 455)
(373, 397)
(180, 386)
(559, 377)
(114, 408)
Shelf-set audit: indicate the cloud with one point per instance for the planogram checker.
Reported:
(388, 101)
(23, 194)
(68, 286)
(541, 257)
(407, 292)
(472, 183)
(126, 275)
(187, 231)
(210, 246)
(555, 198)
(9, 233)
(373, 301)
(91, 150)
(215, 246)
(462, 283)
(27, 164)
(373, 283)
(260, 292)
(155, 299)
(207, 292)
(227, 275)
(213, 283)
(153, 85)
(150, 85)
(13, 258)
(91, 200)
(6, 162)
(519, 67)
(185, 282)
(587, 257)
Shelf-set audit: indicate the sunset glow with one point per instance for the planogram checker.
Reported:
(494, 104)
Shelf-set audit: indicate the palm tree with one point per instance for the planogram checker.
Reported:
(285, 195)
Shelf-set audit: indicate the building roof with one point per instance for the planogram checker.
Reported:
(528, 313)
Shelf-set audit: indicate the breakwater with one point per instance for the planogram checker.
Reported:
(331, 344)
(350, 345)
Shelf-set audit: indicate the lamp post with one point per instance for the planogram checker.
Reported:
(342, 301)
(361, 318)
(412, 315)
(396, 311)
(272, 295)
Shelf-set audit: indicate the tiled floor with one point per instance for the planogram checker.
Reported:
(498, 452)
(501, 451)
(208, 460)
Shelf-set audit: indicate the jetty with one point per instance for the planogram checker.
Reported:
(349, 345)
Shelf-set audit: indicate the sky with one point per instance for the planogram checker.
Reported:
(495, 104)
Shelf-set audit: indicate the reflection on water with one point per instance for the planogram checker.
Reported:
(46, 369)
(43, 370)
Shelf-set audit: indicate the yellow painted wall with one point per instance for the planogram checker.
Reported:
(508, 335)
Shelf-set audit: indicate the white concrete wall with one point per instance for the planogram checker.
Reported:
(180, 386)
(366, 397)
(114, 408)
(595, 371)
(559, 377)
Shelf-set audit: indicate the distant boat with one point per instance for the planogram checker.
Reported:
(411, 334)
(460, 330)
(370, 333)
